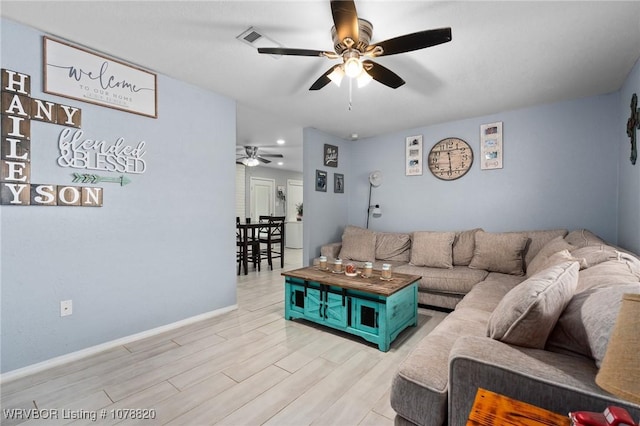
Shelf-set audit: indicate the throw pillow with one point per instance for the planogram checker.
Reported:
(432, 249)
(463, 247)
(499, 252)
(586, 324)
(553, 246)
(358, 244)
(527, 314)
(393, 246)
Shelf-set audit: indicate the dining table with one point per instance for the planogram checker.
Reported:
(248, 232)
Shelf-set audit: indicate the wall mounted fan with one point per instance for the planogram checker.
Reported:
(351, 36)
(251, 158)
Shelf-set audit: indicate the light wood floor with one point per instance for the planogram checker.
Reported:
(246, 367)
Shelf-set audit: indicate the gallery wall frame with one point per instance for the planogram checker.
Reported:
(413, 155)
(491, 146)
(338, 183)
(330, 155)
(78, 73)
(321, 181)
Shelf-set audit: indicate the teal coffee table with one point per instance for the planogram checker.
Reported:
(371, 308)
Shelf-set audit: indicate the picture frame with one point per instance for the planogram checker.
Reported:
(330, 155)
(491, 146)
(78, 73)
(338, 183)
(413, 155)
(321, 181)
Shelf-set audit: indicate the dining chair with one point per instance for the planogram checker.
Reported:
(272, 234)
(245, 236)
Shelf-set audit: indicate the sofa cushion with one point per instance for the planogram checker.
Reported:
(527, 314)
(463, 247)
(488, 293)
(419, 389)
(595, 254)
(358, 244)
(555, 245)
(537, 240)
(583, 238)
(499, 252)
(392, 246)
(587, 322)
(433, 249)
(585, 308)
(457, 280)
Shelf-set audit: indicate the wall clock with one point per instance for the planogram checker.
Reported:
(450, 159)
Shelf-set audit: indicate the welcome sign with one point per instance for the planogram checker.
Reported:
(79, 74)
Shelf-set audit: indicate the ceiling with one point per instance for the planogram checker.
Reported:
(504, 55)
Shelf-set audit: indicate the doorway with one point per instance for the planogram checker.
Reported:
(262, 197)
(294, 197)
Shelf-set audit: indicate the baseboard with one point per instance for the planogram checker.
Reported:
(83, 353)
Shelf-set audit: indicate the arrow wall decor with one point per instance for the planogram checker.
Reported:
(91, 178)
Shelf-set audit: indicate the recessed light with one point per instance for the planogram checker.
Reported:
(280, 163)
(280, 141)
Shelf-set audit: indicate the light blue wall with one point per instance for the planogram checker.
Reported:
(325, 213)
(629, 201)
(560, 171)
(160, 249)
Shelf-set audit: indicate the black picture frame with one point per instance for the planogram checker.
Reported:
(321, 181)
(338, 183)
(330, 155)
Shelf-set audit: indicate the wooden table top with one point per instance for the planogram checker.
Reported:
(372, 284)
(490, 408)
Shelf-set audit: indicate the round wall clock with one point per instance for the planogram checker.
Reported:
(450, 159)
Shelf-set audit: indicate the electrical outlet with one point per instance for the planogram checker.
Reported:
(66, 308)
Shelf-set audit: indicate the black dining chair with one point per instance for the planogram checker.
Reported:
(252, 245)
(272, 234)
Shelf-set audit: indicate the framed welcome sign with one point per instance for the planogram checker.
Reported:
(80, 74)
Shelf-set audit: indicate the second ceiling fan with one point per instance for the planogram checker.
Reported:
(351, 36)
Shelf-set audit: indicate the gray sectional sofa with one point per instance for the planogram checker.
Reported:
(531, 316)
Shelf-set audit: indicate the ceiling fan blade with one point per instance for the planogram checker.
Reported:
(293, 52)
(382, 74)
(323, 80)
(345, 19)
(414, 41)
(271, 155)
(264, 160)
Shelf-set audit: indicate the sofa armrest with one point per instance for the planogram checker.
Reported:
(553, 381)
(331, 250)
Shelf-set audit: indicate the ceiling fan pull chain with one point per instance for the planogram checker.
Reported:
(350, 93)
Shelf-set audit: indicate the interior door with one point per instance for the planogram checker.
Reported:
(294, 196)
(262, 197)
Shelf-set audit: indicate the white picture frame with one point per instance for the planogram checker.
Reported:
(491, 145)
(77, 73)
(413, 155)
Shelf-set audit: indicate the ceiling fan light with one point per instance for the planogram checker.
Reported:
(353, 67)
(250, 162)
(336, 75)
(363, 79)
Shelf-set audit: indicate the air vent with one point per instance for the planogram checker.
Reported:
(256, 38)
(252, 36)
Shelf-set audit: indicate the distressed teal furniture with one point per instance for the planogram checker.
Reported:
(373, 309)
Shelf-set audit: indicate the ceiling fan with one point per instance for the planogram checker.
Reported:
(251, 157)
(351, 36)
